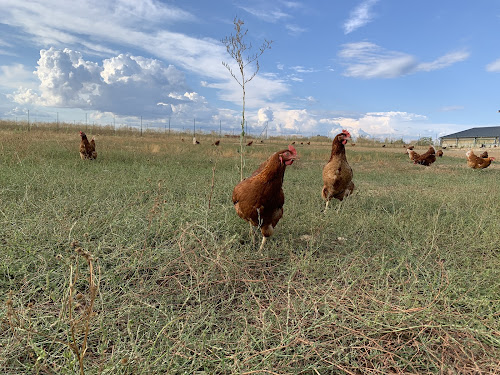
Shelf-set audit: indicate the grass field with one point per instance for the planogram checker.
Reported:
(119, 266)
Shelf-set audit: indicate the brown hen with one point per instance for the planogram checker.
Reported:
(337, 173)
(259, 198)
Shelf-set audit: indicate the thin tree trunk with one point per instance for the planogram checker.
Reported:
(242, 135)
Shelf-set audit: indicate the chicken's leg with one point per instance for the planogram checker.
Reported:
(252, 234)
(326, 206)
(262, 244)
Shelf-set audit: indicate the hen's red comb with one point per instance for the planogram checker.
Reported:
(346, 132)
(292, 149)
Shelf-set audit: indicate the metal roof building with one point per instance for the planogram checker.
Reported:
(474, 137)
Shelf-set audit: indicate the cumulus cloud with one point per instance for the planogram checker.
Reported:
(372, 124)
(124, 85)
(493, 67)
(378, 124)
(368, 60)
(265, 114)
(360, 16)
(294, 121)
(140, 25)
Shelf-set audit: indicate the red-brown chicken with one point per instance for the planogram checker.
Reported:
(259, 198)
(337, 173)
(477, 162)
(87, 149)
(412, 154)
(426, 158)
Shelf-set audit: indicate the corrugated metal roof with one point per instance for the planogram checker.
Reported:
(486, 132)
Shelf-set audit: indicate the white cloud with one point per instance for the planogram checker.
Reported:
(451, 108)
(259, 92)
(16, 75)
(309, 99)
(494, 66)
(360, 16)
(137, 25)
(124, 85)
(377, 124)
(295, 30)
(265, 114)
(301, 69)
(368, 60)
(444, 61)
(294, 121)
(267, 14)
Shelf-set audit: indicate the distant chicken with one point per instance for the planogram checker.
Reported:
(250, 143)
(87, 149)
(259, 198)
(412, 154)
(484, 154)
(216, 143)
(477, 162)
(427, 158)
(439, 153)
(337, 173)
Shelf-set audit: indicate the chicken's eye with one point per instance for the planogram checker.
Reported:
(286, 153)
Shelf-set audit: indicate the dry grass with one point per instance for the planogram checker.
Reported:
(402, 278)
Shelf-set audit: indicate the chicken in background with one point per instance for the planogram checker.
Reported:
(337, 173)
(87, 149)
(439, 153)
(427, 158)
(412, 154)
(484, 154)
(476, 162)
(259, 198)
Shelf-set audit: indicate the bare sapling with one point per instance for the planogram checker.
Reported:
(240, 51)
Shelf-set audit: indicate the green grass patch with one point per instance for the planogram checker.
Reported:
(402, 277)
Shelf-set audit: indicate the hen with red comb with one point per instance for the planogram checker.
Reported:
(337, 173)
(259, 198)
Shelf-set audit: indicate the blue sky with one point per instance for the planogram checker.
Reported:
(387, 68)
